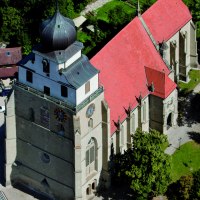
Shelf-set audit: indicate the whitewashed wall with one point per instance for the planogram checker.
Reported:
(80, 92)
(40, 81)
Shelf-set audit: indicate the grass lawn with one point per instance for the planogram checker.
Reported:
(102, 13)
(195, 80)
(185, 160)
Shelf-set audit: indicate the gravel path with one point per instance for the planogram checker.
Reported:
(93, 6)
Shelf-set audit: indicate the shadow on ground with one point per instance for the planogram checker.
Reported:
(189, 109)
(194, 136)
(2, 153)
(116, 193)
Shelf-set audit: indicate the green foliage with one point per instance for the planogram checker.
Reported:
(186, 188)
(119, 9)
(150, 171)
(118, 16)
(195, 190)
(11, 24)
(145, 167)
(185, 185)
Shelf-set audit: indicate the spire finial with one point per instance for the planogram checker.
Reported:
(57, 9)
(138, 9)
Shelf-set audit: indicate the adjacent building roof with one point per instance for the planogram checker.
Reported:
(166, 17)
(10, 56)
(79, 21)
(122, 69)
(60, 56)
(163, 85)
(8, 72)
(79, 72)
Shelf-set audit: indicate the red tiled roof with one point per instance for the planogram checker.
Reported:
(166, 17)
(122, 73)
(10, 56)
(7, 72)
(163, 85)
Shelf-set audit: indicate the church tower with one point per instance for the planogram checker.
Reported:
(62, 119)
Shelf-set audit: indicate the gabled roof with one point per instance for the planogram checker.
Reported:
(122, 68)
(10, 56)
(166, 17)
(163, 85)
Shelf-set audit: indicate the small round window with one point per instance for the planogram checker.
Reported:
(45, 158)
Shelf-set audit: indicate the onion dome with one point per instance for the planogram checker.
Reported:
(57, 32)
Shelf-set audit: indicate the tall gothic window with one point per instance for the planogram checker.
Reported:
(144, 112)
(91, 157)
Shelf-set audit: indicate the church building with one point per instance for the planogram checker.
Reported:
(66, 112)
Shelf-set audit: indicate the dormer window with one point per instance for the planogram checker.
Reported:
(8, 53)
(87, 87)
(46, 68)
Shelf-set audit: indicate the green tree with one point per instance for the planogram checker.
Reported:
(195, 191)
(11, 24)
(150, 167)
(118, 16)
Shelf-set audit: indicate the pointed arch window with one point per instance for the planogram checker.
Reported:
(91, 156)
(144, 112)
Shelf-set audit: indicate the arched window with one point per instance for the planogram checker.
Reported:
(144, 112)
(90, 123)
(91, 156)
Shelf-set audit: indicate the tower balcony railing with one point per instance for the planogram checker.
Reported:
(68, 105)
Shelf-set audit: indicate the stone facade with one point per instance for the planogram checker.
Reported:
(181, 52)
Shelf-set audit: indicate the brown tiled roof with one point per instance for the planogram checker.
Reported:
(8, 72)
(10, 56)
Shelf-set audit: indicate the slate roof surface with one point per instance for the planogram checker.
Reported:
(166, 17)
(79, 72)
(10, 56)
(122, 69)
(60, 56)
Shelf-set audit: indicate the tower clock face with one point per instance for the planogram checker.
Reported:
(90, 110)
(60, 115)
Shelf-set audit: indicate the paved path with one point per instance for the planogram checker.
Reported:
(14, 194)
(179, 136)
(93, 6)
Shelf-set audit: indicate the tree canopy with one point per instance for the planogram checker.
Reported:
(145, 167)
